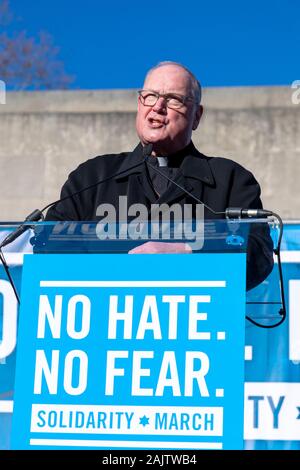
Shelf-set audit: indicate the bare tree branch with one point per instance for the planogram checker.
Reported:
(28, 62)
(6, 15)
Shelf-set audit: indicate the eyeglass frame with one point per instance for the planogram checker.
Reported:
(182, 98)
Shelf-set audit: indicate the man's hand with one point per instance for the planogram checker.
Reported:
(161, 247)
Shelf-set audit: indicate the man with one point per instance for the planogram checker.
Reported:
(169, 110)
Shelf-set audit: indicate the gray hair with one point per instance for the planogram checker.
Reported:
(195, 84)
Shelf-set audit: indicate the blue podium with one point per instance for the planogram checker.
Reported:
(122, 351)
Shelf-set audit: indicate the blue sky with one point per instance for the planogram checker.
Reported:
(111, 44)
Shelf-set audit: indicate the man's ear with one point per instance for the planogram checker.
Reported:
(198, 116)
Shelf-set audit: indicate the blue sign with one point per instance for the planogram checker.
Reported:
(122, 351)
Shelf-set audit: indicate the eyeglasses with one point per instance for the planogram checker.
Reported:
(174, 101)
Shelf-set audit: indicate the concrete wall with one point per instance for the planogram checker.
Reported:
(44, 135)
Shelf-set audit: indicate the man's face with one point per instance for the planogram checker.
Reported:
(169, 130)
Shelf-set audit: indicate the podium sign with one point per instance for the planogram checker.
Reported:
(131, 352)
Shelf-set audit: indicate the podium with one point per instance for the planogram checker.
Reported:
(117, 351)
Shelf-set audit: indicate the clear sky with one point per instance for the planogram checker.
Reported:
(111, 43)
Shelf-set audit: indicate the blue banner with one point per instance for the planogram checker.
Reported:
(272, 365)
(131, 357)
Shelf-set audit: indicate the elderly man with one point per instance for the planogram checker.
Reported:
(169, 110)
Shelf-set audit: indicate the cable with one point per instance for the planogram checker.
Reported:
(282, 311)
(184, 189)
(92, 185)
(6, 268)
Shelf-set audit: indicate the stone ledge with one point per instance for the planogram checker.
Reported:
(98, 101)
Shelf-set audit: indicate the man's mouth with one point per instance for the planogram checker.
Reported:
(156, 122)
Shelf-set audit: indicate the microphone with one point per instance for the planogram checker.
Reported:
(37, 214)
(240, 213)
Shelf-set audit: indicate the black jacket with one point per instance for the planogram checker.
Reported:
(217, 182)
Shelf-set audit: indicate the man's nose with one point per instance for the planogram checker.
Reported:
(160, 105)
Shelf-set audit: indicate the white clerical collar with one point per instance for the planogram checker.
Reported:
(162, 161)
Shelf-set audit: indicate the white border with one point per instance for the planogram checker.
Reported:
(126, 444)
(132, 283)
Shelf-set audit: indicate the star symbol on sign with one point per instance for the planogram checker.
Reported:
(144, 420)
(298, 408)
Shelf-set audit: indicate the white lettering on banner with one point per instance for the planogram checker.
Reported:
(272, 411)
(82, 359)
(192, 373)
(112, 371)
(168, 375)
(195, 316)
(138, 372)
(85, 316)
(76, 322)
(50, 314)
(173, 301)
(9, 323)
(168, 366)
(294, 320)
(49, 370)
(125, 317)
(118, 419)
(149, 317)
(54, 318)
